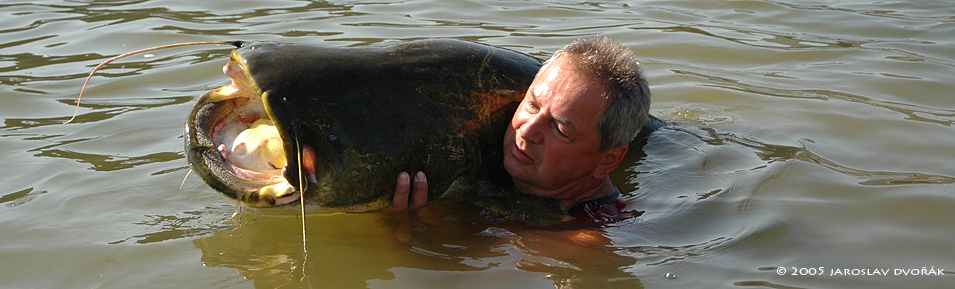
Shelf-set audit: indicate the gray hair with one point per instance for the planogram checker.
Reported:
(605, 60)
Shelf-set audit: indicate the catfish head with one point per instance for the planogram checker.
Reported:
(335, 126)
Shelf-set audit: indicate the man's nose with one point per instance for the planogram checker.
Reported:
(533, 130)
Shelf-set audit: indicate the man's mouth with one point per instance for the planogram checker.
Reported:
(520, 155)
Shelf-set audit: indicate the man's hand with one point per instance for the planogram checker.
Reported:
(419, 197)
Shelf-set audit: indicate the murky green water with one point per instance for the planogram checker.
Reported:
(808, 134)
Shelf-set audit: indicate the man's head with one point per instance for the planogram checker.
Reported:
(605, 61)
(576, 120)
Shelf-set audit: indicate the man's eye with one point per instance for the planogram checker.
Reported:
(531, 107)
(560, 131)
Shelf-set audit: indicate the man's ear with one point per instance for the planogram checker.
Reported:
(611, 159)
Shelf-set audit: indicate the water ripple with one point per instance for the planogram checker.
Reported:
(774, 153)
(914, 112)
(942, 10)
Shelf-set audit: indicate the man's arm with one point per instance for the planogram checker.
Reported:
(418, 194)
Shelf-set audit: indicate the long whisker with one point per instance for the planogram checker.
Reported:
(114, 58)
(184, 179)
(301, 199)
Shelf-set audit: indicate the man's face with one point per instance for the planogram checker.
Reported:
(550, 147)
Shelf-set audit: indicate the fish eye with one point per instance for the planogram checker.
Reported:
(332, 137)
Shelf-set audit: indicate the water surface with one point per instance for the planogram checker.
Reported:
(805, 134)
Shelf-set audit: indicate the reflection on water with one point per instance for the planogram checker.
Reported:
(20, 197)
(183, 225)
(443, 238)
(803, 134)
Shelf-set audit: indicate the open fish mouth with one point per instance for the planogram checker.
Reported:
(234, 145)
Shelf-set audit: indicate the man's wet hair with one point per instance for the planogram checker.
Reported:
(606, 61)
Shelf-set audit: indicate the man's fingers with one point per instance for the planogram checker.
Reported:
(420, 195)
(400, 200)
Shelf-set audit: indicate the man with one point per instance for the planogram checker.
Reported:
(572, 129)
